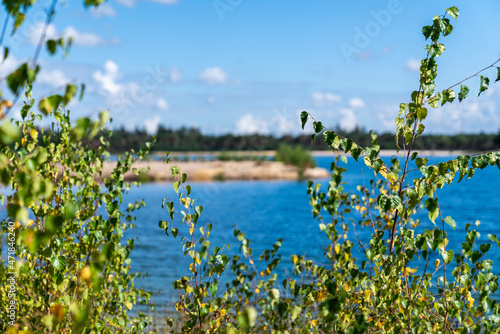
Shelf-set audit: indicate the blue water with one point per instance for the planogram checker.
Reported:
(269, 210)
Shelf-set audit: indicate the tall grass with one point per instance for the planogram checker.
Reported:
(295, 155)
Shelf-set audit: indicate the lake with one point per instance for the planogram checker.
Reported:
(269, 210)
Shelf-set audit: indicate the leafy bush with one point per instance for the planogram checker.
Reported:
(295, 155)
(67, 267)
(405, 279)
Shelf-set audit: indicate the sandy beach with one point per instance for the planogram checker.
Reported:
(219, 170)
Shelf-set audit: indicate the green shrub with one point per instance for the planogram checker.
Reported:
(294, 155)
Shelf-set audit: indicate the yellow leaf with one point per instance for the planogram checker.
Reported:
(471, 301)
(314, 322)
(85, 274)
(337, 248)
(321, 295)
(128, 305)
(58, 311)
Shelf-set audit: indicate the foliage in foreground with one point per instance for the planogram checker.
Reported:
(65, 266)
(405, 279)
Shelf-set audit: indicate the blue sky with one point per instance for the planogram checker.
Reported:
(246, 66)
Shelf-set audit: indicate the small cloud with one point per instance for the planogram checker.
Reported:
(34, 32)
(103, 10)
(55, 78)
(387, 49)
(248, 124)
(10, 64)
(356, 103)
(175, 75)
(213, 76)
(151, 125)
(107, 79)
(162, 104)
(348, 121)
(211, 100)
(86, 39)
(413, 65)
(322, 100)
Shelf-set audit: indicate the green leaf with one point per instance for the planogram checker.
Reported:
(175, 232)
(448, 220)
(20, 77)
(464, 91)
(58, 262)
(427, 31)
(49, 104)
(51, 46)
(493, 237)
(421, 113)
(318, 127)
(69, 94)
(247, 318)
(433, 102)
(483, 85)
(9, 133)
(453, 12)
(303, 118)
(198, 210)
(436, 50)
(432, 205)
(498, 75)
(448, 96)
(82, 91)
(447, 256)
(176, 186)
(19, 20)
(5, 53)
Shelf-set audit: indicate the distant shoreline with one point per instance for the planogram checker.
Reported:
(158, 171)
(325, 153)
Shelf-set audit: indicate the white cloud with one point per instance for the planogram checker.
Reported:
(151, 124)
(162, 104)
(325, 99)
(356, 103)
(10, 64)
(107, 79)
(55, 78)
(214, 75)
(248, 124)
(211, 100)
(103, 10)
(84, 38)
(34, 32)
(413, 65)
(348, 121)
(175, 75)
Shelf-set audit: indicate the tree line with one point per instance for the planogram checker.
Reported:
(192, 139)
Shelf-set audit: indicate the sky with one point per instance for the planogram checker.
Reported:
(241, 66)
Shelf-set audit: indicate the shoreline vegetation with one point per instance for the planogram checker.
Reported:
(315, 153)
(193, 139)
(239, 165)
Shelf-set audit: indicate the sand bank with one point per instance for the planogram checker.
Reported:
(220, 170)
